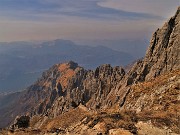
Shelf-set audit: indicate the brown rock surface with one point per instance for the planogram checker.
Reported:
(163, 53)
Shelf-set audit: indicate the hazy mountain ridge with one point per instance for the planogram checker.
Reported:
(135, 47)
(27, 60)
(71, 100)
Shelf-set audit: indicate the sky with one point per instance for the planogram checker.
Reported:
(82, 20)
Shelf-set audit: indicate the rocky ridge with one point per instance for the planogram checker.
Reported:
(161, 57)
(163, 53)
(65, 86)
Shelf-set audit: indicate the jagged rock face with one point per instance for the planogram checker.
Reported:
(56, 83)
(39, 97)
(22, 122)
(89, 88)
(65, 86)
(103, 81)
(163, 53)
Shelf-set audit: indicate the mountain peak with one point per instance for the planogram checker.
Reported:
(67, 65)
(178, 10)
(163, 53)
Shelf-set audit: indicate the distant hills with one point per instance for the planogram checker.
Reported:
(21, 63)
(136, 47)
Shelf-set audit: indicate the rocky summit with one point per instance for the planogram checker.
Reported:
(69, 99)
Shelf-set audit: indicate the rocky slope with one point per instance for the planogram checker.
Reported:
(163, 53)
(65, 86)
(152, 108)
(162, 56)
(71, 100)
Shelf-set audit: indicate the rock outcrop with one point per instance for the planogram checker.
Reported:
(66, 86)
(163, 53)
(162, 56)
(69, 85)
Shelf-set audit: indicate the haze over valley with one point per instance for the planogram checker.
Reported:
(22, 63)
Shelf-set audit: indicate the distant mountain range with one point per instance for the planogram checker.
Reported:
(136, 47)
(21, 63)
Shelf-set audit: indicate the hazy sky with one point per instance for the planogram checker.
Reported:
(84, 20)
